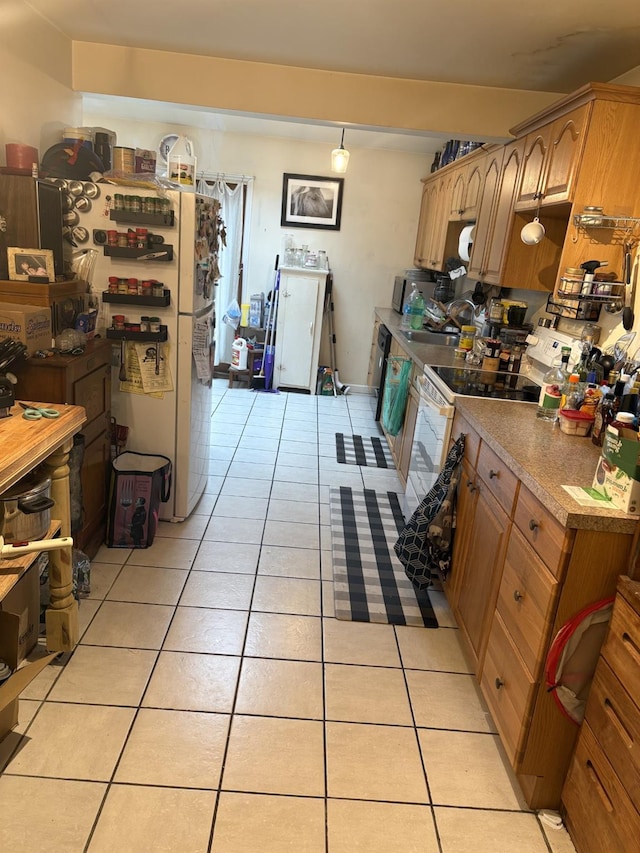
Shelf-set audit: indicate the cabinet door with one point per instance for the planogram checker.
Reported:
(426, 224)
(485, 212)
(474, 183)
(439, 234)
(502, 223)
(295, 329)
(563, 156)
(458, 192)
(482, 571)
(407, 435)
(536, 145)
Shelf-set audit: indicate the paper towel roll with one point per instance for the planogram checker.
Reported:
(465, 242)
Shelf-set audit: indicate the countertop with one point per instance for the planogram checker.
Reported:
(539, 454)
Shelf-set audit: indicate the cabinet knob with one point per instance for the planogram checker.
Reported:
(533, 525)
(470, 486)
(499, 683)
(517, 595)
(493, 474)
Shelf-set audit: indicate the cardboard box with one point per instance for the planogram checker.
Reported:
(19, 626)
(20, 612)
(30, 324)
(617, 475)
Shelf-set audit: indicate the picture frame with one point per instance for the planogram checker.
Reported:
(311, 201)
(26, 263)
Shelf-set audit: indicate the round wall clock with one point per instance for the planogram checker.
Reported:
(166, 144)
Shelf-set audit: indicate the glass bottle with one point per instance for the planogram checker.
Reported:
(604, 416)
(552, 383)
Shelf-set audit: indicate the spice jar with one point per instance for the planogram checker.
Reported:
(147, 288)
(136, 205)
(154, 324)
(158, 288)
(144, 324)
(132, 286)
(572, 280)
(491, 359)
(118, 201)
(113, 284)
(467, 335)
(141, 238)
(122, 239)
(592, 216)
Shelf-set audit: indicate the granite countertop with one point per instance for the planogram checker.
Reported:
(543, 457)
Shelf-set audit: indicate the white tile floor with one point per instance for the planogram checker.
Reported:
(215, 704)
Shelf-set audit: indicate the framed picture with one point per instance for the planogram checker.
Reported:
(24, 263)
(311, 202)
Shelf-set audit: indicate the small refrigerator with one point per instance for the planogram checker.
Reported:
(174, 421)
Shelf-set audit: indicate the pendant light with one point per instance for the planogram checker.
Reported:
(340, 157)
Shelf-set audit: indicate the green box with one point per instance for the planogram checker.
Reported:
(617, 475)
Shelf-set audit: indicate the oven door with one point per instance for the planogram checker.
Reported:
(430, 441)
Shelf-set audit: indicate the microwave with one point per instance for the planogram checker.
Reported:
(400, 290)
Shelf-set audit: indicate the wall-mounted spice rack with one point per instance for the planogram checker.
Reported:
(127, 335)
(582, 308)
(135, 299)
(163, 219)
(164, 252)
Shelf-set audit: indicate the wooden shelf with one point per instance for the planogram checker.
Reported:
(12, 570)
(131, 299)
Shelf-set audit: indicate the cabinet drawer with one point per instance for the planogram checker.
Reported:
(600, 814)
(526, 601)
(508, 689)
(472, 439)
(548, 538)
(622, 647)
(500, 480)
(91, 392)
(615, 722)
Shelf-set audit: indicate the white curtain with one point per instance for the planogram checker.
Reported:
(227, 287)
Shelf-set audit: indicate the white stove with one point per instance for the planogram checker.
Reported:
(543, 349)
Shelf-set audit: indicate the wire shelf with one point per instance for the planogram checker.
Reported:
(602, 220)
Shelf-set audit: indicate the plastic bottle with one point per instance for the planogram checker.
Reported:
(406, 309)
(417, 310)
(552, 383)
(239, 353)
(181, 164)
(572, 393)
(625, 420)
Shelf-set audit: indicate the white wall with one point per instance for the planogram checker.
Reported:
(376, 241)
(36, 100)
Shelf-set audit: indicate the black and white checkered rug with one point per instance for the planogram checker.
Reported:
(369, 582)
(358, 450)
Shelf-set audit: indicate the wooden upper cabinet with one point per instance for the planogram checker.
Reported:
(551, 160)
(432, 226)
(490, 184)
(467, 190)
(502, 220)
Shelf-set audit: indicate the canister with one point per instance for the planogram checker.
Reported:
(572, 280)
(124, 159)
(467, 335)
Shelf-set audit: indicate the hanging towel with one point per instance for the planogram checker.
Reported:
(424, 545)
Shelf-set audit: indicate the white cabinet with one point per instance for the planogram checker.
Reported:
(298, 328)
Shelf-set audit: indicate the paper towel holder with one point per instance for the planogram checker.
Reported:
(465, 242)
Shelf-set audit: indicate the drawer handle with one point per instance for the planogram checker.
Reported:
(470, 486)
(499, 683)
(602, 791)
(517, 595)
(493, 474)
(533, 525)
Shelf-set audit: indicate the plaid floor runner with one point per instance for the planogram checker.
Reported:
(369, 581)
(358, 450)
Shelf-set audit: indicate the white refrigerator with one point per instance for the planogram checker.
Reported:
(174, 423)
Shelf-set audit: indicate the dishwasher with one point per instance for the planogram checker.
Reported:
(380, 365)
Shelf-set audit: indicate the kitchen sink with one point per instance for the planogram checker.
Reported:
(427, 336)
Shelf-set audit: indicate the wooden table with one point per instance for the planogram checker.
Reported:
(23, 446)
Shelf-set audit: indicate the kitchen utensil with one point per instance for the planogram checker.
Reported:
(478, 297)
(621, 347)
(34, 413)
(628, 316)
(122, 376)
(25, 509)
(532, 232)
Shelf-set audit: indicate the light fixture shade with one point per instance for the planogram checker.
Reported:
(340, 157)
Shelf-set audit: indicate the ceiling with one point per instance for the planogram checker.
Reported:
(546, 45)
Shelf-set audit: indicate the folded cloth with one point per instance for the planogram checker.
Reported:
(424, 545)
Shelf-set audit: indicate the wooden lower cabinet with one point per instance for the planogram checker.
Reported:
(481, 571)
(80, 380)
(601, 796)
(517, 576)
